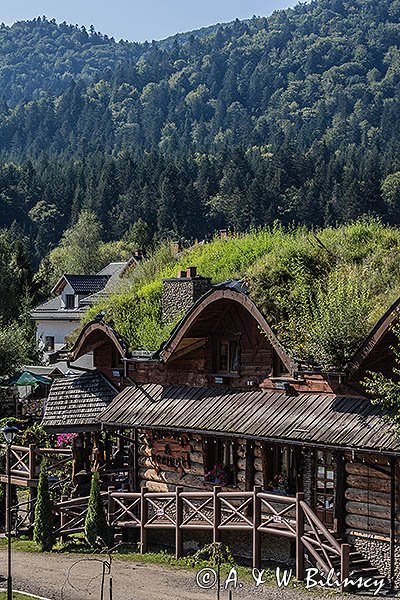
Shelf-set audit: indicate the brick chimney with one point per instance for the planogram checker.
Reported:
(181, 292)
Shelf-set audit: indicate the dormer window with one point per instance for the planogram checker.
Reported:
(70, 301)
(228, 356)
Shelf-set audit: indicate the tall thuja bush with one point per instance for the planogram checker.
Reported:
(43, 531)
(97, 532)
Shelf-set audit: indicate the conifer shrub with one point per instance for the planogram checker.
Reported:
(97, 531)
(43, 531)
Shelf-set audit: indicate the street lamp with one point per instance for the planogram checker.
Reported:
(9, 431)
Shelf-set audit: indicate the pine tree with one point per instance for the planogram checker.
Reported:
(43, 531)
(97, 532)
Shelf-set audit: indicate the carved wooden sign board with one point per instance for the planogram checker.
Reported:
(170, 454)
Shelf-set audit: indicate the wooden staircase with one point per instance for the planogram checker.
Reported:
(359, 567)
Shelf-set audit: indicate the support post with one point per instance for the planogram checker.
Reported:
(63, 519)
(299, 537)
(256, 525)
(32, 461)
(110, 506)
(344, 565)
(392, 522)
(178, 522)
(143, 520)
(217, 514)
(8, 503)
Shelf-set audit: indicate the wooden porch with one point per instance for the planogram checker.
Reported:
(257, 512)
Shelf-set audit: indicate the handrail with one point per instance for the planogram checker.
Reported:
(277, 498)
(313, 517)
(16, 448)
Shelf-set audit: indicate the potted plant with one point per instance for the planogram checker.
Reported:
(219, 474)
(280, 482)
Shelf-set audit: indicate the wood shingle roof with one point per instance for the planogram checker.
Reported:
(75, 402)
(314, 419)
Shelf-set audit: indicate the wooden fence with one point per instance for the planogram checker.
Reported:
(256, 512)
(26, 460)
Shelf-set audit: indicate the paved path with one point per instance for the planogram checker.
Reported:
(67, 577)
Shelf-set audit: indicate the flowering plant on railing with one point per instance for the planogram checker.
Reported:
(219, 474)
(64, 440)
(280, 482)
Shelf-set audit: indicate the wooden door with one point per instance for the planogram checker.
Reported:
(324, 503)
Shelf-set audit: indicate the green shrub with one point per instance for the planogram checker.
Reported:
(97, 532)
(43, 530)
(214, 554)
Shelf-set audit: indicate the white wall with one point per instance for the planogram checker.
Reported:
(60, 329)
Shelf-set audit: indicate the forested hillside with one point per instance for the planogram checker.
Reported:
(294, 118)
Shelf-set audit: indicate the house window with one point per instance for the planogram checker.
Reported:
(219, 460)
(228, 356)
(70, 301)
(282, 469)
(49, 343)
(325, 486)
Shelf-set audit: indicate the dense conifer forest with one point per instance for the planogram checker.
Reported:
(294, 118)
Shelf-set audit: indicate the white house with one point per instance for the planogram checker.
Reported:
(57, 318)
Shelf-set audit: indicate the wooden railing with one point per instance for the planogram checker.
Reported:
(254, 511)
(257, 512)
(26, 460)
(72, 514)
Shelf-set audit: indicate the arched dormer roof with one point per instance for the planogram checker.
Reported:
(234, 292)
(93, 335)
(377, 345)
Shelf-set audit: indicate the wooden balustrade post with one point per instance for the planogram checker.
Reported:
(110, 507)
(300, 572)
(256, 525)
(63, 519)
(32, 461)
(143, 520)
(217, 514)
(344, 565)
(178, 523)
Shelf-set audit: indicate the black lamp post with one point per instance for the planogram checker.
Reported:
(9, 431)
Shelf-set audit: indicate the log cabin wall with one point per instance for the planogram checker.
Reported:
(368, 509)
(197, 360)
(108, 361)
(157, 478)
(273, 548)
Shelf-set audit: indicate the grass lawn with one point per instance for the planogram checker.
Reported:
(77, 545)
(3, 596)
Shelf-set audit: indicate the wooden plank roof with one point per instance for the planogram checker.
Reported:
(75, 402)
(312, 419)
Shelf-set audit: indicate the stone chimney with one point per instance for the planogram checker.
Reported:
(176, 248)
(181, 292)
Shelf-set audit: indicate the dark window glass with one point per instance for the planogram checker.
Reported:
(70, 301)
(49, 342)
(325, 480)
(228, 356)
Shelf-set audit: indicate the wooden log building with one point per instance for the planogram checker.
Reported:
(222, 403)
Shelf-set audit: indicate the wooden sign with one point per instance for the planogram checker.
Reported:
(170, 454)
